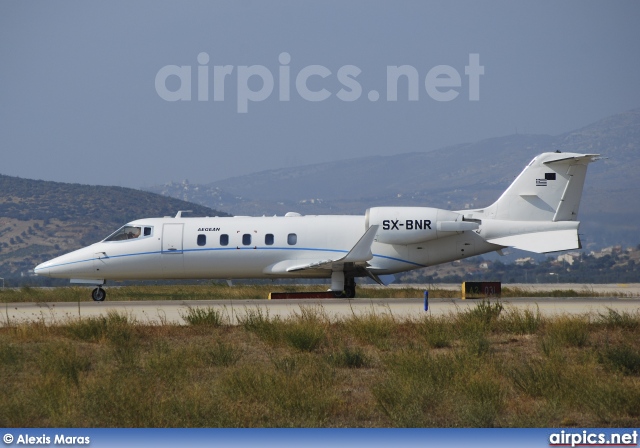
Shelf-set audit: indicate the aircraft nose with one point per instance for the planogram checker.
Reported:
(42, 269)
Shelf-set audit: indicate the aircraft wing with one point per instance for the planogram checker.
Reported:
(359, 254)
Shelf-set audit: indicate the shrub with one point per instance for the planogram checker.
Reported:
(622, 358)
(438, 331)
(304, 336)
(537, 378)
(371, 328)
(486, 311)
(223, 354)
(350, 357)
(520, 322)
(64, 361)
(569, 330)
(417, 388)
(209, 317)
(258, 322)
(484, 400)
(624, 320)
(479, 319)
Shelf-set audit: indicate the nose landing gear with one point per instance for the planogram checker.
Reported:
(99, 294)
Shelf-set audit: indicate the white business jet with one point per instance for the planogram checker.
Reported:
(537, 213)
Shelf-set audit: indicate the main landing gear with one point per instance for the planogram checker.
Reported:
(99, 294)
(349, 287)
(343, 286)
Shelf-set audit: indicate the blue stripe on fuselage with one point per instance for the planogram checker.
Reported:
(231, 249)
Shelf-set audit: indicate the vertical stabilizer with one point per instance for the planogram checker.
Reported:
(548, 189)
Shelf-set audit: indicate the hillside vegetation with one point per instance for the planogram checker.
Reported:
(40, 219)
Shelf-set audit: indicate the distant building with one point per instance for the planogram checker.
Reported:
(606, 251)
(569, 258)
(521, 261)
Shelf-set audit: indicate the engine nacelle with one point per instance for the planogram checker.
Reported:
(411, 225)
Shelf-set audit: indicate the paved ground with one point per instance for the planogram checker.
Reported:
(156, 312)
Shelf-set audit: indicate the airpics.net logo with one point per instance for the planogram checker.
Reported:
(591, 438)
(256, 83)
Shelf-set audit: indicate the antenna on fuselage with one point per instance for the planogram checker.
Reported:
(180, 212)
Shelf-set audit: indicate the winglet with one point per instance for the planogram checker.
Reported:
(362, 250)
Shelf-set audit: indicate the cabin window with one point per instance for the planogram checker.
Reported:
(268, 239)
(124, 233)
(202, 240)
(147, 231)
(224, 239)
(292, 239)
(246, 239)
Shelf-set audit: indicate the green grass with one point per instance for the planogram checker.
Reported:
(490, 366)
(221, 291)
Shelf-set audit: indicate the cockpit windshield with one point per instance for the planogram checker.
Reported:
(125, 233)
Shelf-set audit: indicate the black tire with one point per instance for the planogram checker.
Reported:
(99, 295)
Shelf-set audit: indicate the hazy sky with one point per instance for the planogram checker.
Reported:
(80, 102)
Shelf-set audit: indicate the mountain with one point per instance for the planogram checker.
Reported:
(40, 220)
(457, 177)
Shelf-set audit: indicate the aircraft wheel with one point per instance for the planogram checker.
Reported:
(98, 294)
(348, 293)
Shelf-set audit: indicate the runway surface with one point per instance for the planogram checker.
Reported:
(162, 312)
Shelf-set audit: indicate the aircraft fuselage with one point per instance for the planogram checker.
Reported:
(250, 247)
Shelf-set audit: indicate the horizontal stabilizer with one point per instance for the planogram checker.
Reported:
(541, 242)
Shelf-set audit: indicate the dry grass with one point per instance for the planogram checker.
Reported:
(484, 367)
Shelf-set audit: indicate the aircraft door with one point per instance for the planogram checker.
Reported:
(172, 255)
(172, 238)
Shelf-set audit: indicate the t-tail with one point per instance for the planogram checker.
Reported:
(539, 210)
